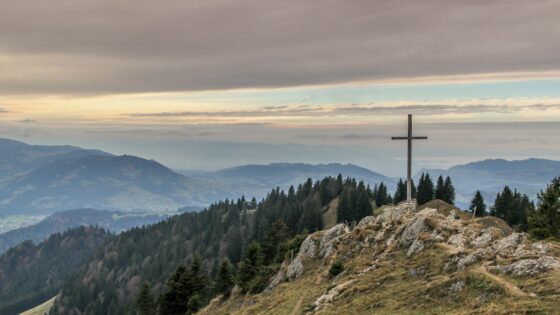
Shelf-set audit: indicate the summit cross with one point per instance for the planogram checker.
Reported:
(409, 160)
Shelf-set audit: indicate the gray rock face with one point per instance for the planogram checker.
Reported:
(326, 247)
(483, 240)
(307, 251)
(528, 267)
(411, 231)
(366, 222)
(507, 246)
(416, 247)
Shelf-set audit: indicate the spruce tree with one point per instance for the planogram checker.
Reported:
(362, 205)
(276, 235)
(382, 197)
(478, 204)
(449, 190)
(512, 207)
(250, 266)
(345, 206)
(425, 190)
(224, 279)
(440, 192)
(544, 221)
(145, 301)
(400, 193)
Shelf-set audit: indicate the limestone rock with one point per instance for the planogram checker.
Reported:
(507, 246)
(366, 222)
(330, 296)
(416, 247)
(529, 267)
(326, 246)
(307, 251)
(483, 240)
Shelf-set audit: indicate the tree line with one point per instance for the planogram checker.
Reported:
(541, 220)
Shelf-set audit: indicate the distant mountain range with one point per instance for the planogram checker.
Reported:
(40, 180)
(47, 179)
(490, 176)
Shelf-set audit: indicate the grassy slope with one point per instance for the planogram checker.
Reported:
(41, 309)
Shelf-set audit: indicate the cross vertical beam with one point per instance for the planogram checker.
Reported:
(409, 139)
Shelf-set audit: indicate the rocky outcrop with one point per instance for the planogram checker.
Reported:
(307, 251)
(330, 296)
(470, 244)
(528, 267)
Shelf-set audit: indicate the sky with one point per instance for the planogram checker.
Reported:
(218, 83)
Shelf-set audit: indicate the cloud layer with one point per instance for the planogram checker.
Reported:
(127, 46)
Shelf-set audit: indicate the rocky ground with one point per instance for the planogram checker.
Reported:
(413, 261)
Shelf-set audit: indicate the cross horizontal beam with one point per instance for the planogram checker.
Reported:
(411, 138)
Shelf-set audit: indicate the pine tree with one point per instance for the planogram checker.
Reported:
(400, 193)
(478, 204)
(440, 192)
(425, 190)
(512, 207)
(186, 290)
(363, 206)
(277, 234)
(224, 279)
(544, 221)
(344, 210)
(382, 197)
(250, 266)
(312, 217)
(449, 189)
(145, 302)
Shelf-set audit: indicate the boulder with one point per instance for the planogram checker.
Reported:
(366, 222)
(528, 267)
(507, 246)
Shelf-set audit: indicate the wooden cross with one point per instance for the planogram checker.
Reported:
(409, 165)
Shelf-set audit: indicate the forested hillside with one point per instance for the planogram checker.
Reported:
(110, 282)
(31, 274)
(61, 221)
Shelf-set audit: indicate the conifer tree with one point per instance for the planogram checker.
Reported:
(344, 210)
(250, 266)
(440, 192)
(311, 218)
(145, 302)
(478, 205)
(449, 189)
(276, 235)
(363, 206)
(425, 191)
(224, 279)
(544, 221)
(382, 197)
(512, 207)
(400, 193)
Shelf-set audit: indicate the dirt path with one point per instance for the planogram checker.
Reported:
(511, 288)
(297, 307)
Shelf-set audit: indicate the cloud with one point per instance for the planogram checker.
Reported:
(357, 110)
(442, 109)
(28, 121)
(128, 46)
(3, 110)
(300, 110)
